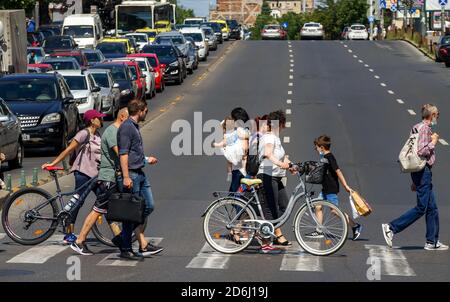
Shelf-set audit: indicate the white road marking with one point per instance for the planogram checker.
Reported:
(291, 77)
(371, 70)
(366, 65)
(355, 56)
(291, 56)
(41, 253)
(292, 61)
(288, 111)
(345, 46)
(286, 140)
(290, 50)
(291, 84)
(288, 124)
(393, 261)
(210, 259)
(360, 61)
(2, 235)
(291, 70)
(292, 65)
(296, 259)
(400, 101)
(289, 92)
(383, 84)
(390, 92)
(376, 77)
(289, 101)
(114, 259)
(350, 51)
(410, 111)
(443, 142)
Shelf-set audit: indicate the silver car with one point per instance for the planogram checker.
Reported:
(212, 38)
(109, 91)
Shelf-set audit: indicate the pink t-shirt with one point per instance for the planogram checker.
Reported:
(90, 158)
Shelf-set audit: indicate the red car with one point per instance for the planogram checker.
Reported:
(77, 54)
(39, 68)
(137, 75)
(157, 67)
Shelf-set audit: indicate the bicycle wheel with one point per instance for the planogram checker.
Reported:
(218, 216)
(104, 231)
(330, 237)
(19, 216)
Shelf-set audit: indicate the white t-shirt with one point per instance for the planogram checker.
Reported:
(234, 149)
(266, 166)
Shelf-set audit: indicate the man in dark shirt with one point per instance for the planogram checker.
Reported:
(132, 162)
(330, 184)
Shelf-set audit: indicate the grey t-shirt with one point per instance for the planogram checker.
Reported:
(110, 160)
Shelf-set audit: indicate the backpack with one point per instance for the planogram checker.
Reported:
(81, 149)
(253, 161)
(409, 159)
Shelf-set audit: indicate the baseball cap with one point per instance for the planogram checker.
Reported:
(92, 114)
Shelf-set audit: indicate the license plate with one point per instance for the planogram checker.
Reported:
(25, 137)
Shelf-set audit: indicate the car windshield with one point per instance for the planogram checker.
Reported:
(192, 22)
(28, 89)
(152, 62)
(358, 27)
(92, 57)
(312, 25)
(101, 79)
(79, 31)
(139, 38)
(58, 43)
(62, 65)
(151, 34)
(76, 82)
(78, 58)
(142, 65)
(118, 72)
(273, 27)
(161, 51)
(196, 36)
(112, 48)
(175, 40)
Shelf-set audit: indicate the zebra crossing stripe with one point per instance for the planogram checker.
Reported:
(296, 259)
(2, 235)
(208, 258)
(41, 253)
(114, 259)
(393, 261)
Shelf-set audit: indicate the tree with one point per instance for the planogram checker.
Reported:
(265, 9)
(17, 4)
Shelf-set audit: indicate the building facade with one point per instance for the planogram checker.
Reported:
(281, 7)
(244, 11)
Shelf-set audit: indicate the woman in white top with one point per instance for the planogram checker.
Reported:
(271, 170)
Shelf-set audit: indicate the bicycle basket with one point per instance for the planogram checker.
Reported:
(315, 172)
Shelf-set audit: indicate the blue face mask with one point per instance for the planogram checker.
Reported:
(433, 125)
(322, 155)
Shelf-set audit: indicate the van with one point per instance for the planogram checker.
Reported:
(86, 29)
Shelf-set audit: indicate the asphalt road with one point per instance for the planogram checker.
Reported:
(363, 106)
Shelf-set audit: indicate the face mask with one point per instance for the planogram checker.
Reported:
(322, 155)
(433, 124)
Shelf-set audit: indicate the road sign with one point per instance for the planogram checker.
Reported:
(443, 2)
(371, 19)
(382, 4)
(393, 8)
(285, 24)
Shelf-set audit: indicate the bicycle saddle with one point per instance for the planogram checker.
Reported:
(53, 168)
(251, 182)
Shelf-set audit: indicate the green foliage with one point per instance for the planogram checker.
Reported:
(17, 4)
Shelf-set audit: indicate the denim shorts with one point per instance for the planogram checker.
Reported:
(333, 198)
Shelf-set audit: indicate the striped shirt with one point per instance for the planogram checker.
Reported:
(425, 145)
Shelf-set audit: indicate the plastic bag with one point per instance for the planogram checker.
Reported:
(352, 205)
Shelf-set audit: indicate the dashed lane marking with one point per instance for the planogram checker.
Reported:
(286, 140)
(393, 261)
(366, 65)
(210, 259)
(288, 111)
(410, 111)
(291, 77)
(390, 92)
(350, 51)
(288, 124)
(400, 101)
(289, 92)
(360, 61)
(291, 84)
(355, 56)
(291, 70)
(383, 84)
(289, 101)
(292, 65)
(371, 70)
(376, 77)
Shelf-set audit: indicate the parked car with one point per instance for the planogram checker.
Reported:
(10, 137)
(76, 54)
(111, 50)
(86, 29)
(225, 29)
(138, 74)
(442, 42)
(235, 29)
(212, 40)
(66, 63)
(176, 37)
(173, 61)
(45, 107)
(84, 90)
(216, 28)
(147, 69)
(61, 43)
(39, 68)
(200, 41)
(94, 56)
(121, 75)
(357, 32)
(151, 33)
(39, 54)
(157, 67)
(273, 31)
(312, 30)
(192, 59)
(141, 39)
(35, 39)
(109, 91)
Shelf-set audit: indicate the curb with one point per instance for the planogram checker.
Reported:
(419, 49)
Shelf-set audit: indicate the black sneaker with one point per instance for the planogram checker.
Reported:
(129, 255)
(315, 235)
(81, 249)
(150, 249)
(356, 231)
(117, 241)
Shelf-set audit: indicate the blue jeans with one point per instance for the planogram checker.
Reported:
(333, 198)
(426, 205)
(141, 187)
(236, 177)
(80, 180)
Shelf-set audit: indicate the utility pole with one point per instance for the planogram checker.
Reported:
(371, 23)
(381, 24)
(443, 19)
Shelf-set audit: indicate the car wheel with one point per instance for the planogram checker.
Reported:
(63, 144)
(191, 70)
(18, 160)
(437, 60)
(447, 64)
(179, 81)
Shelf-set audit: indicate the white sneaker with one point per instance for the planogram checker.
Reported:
(439, 246)
(388, 234)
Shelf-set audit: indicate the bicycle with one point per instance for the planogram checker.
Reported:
(235, 214)
(31, 215)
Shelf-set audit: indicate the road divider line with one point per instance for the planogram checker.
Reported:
(365, 65)
(291, 84)
(350, 51)
(383, 84)
(291, 77)
(345, 46)
(41, 253)
(355, 56)
(292, 65)
(289, 92)
(393, 261)
(400, 101)
(390, 92)
(296, 259)
(360, 61)
(291, 70)
(443, 142)
(376, 77)
(292, 61)
(411, 112)
(290, 50)
(289, 101)
(208, 258)
(288, 124)
(371, 70)
(291, 56)
(288, 111)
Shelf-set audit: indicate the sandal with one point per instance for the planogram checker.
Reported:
(283, 243)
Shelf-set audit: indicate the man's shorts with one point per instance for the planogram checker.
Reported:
(333, 198)
(104, 191)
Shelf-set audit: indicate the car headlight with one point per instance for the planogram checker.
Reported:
(82, 100)
(126, 91)
(174, 64)
(51, 118)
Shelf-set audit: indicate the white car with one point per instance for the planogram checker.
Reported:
(141, 39)
(200, 40)
(312, 30)
(110, 91)
(357, 32)
(83, 88)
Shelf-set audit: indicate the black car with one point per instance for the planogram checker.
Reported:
(113, 50)
(121, 74)
(442, 50)
(56, 28)
(10, 137)
(59, 43)
(216, 28)
(172, 58)
(235, 29)
(45, 107)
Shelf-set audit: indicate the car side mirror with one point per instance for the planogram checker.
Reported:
(96, 89)
(116, 85)
(69, 100)
(4, 118)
